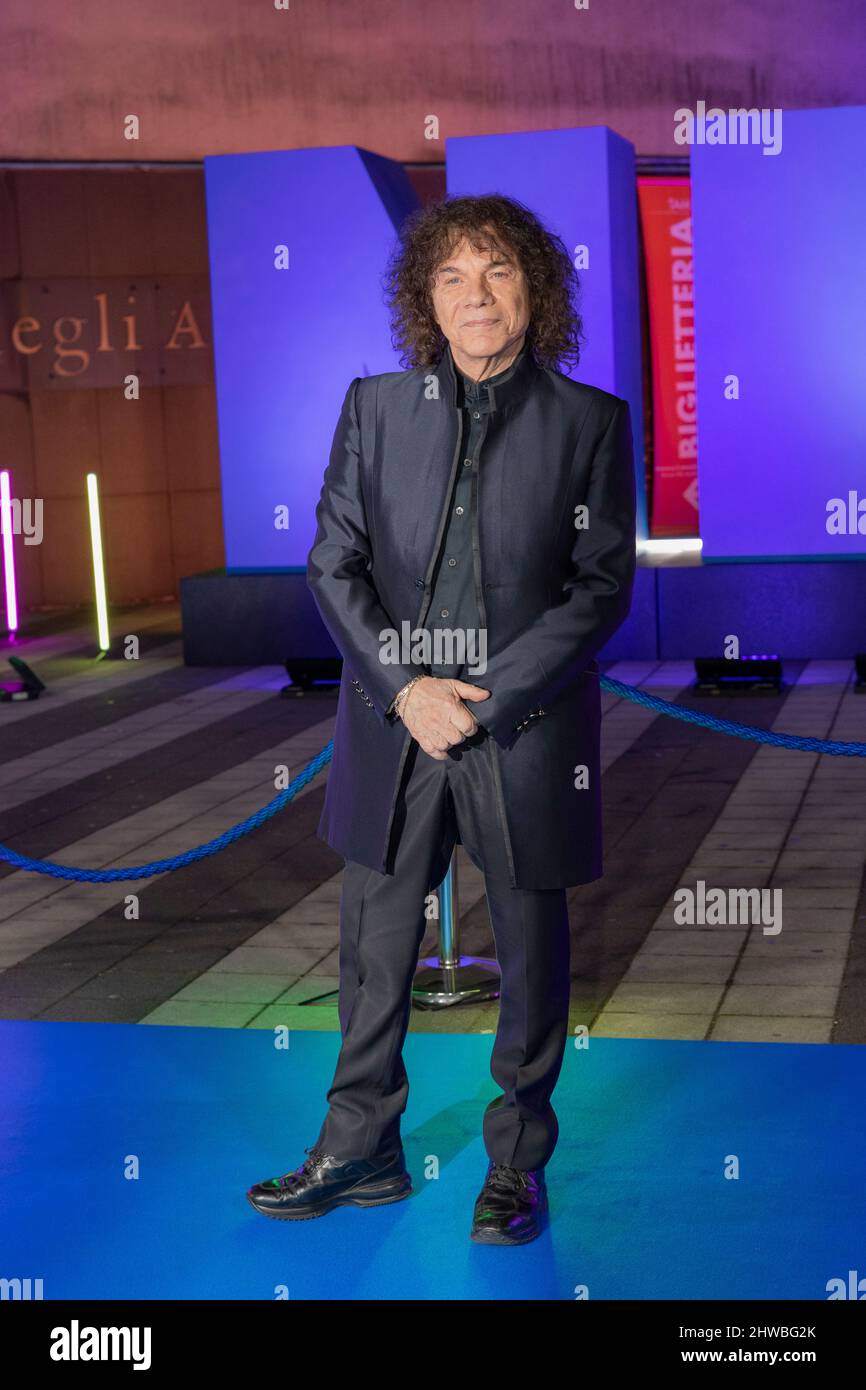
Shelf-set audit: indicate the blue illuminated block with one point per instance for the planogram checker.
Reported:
(581, 184)
(288, 342)
(780, 320)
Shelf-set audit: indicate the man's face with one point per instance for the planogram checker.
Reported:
(481, 303)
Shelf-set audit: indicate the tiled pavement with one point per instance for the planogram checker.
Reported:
(122, 762)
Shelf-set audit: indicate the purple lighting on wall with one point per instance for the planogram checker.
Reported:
(289, 341)
(581, 184)
(780, 288)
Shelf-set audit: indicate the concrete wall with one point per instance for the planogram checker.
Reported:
(72, 234)
(217, 76)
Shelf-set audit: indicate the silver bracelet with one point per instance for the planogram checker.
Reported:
(402, 694)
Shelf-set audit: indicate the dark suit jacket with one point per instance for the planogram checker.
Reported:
(552, 596)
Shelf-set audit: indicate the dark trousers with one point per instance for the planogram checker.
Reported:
(382, 925)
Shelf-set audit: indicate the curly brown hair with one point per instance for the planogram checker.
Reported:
(429, 236)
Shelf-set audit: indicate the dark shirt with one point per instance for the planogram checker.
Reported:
(454, 603)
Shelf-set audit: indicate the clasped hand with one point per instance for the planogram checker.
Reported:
(434, 713)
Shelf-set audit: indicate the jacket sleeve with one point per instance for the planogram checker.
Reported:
(553, 650)
(339, 563)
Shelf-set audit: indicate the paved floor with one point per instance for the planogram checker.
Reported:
(121, 762)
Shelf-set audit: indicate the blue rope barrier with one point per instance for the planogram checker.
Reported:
(177, 861)
(314, 767)
(727, 726)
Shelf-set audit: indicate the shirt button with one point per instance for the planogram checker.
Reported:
(467, 463)
(476, 415)
(452, 563)
(459, 511)
(443, 612)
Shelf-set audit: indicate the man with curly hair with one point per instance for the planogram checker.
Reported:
(475, 549)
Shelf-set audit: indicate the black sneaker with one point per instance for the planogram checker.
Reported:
(323, 1182)
(510, 1205)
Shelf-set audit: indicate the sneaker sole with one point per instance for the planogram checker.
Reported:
(359, 1200)
(497, 1238)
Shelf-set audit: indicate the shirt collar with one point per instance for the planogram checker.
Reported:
(496, 391)
(473, 390)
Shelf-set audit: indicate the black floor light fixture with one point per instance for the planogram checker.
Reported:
(308, 673)
(29, 687)
(719, 675)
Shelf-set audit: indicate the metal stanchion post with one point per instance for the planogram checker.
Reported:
(451, 978)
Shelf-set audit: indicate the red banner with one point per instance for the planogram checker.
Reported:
(666, 223)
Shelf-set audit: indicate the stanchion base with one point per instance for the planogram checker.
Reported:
(438, 986)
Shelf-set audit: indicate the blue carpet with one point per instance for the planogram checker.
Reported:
(639, 1202)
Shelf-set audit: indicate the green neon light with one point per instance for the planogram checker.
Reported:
(98, 564)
